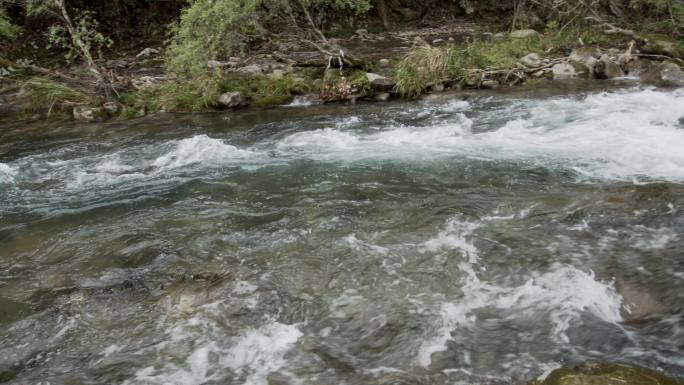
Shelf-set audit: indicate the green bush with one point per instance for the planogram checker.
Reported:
(216, 29)
(7, 30)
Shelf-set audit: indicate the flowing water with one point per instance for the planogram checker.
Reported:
(448, 241)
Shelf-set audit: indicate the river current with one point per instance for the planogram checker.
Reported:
(479, 240)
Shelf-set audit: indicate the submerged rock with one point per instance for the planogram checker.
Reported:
(525, 34)
(232, 100)
(664, 75)
(605, 374)
(638, 304)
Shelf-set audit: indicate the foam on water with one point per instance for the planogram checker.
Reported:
(199, 149)
(563, 294)
(7, 174)
(250, 357)
(620, 135)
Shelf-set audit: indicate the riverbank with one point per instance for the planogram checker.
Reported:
(391, 65)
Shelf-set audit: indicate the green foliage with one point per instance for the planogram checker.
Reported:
(422, 67)
(214, 29)
(86, 29)
(425, 66)
(7, 30)
(39, 92)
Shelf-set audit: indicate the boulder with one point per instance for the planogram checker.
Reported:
(525, 34)
(605, 68)
(87, 114)
(147, 53)
(604, 374)
(439, 87)
(637, 303)
(584, 54)
(531, 61)
(565, 71)
(562, 71)
(252, 69)
(379, 82)
(232, 100)
(384, 63)
(277, 74)
(661, 47)
(664, 75)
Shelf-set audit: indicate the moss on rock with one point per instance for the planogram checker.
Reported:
(605, 374)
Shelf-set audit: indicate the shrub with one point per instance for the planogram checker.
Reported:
(38, 93)
(7, 30)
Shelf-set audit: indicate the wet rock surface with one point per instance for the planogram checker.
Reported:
(605, 374)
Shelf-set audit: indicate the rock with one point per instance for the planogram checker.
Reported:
(382, 97)
(605, 68)
(499, 36)
(277, 74)
(661, 47)
(379, 82)
(87, 114)
(112, 108)
(384, 63)
(525, 34)
(437, 41)
(147, 53)
(146, 81)
(563, 71)
(252, 69)
(570, 70)
(215, 64)
(638, 304)
(490, 84)
(232, 100)
(604, 374)
(664, 75)
(361, 32)
(531, 61)
(439, 87)
(584, 54)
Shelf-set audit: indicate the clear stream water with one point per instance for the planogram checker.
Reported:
(448, 241)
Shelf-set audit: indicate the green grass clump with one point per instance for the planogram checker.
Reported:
(40, 93)
(425, 66)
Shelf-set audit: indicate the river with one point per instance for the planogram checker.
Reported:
(454, 240)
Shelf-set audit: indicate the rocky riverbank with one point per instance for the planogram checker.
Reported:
(391, 65)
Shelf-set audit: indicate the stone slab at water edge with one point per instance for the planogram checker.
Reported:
(605, 374)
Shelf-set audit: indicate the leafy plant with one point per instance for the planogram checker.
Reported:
(85, 27)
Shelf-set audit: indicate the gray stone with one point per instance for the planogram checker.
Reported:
(605, 68)
(664, 75)
(382, 97)
(531, 61)
(384, 63)
(584, 54)
(277, 74)
(490, 84)
(525, 34)
(147, 53)
(215, 64)
(499, 36)
(661, 47)
(232, 100)
(112, 108)
(439, 87)
(87, 114)
(379, 82)
(563, 71)
(252, 69)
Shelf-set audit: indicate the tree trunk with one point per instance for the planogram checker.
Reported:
(382, 12)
